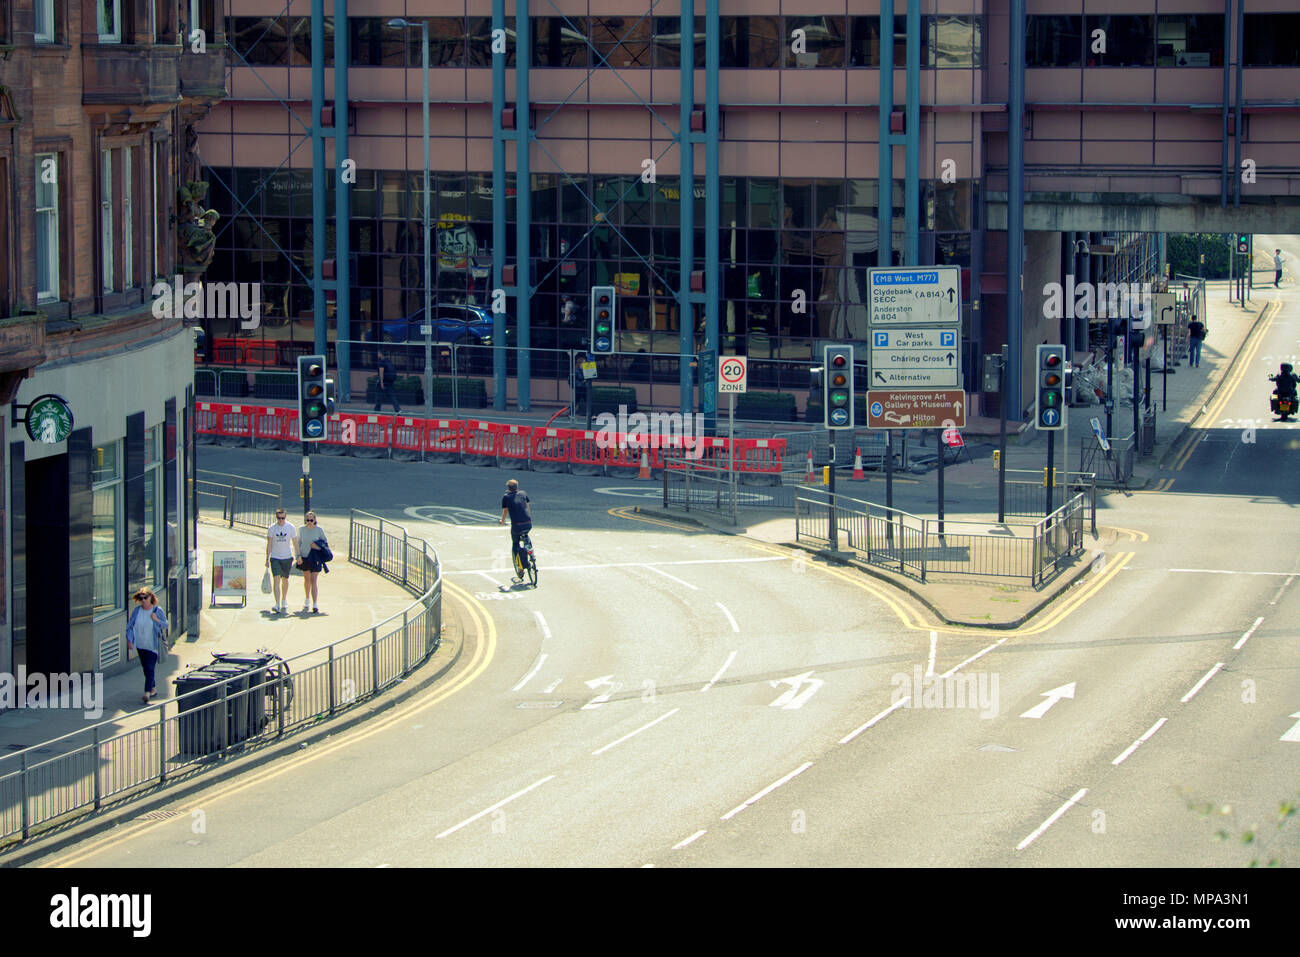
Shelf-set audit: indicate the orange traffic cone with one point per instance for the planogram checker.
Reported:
(858, 474)
(810, 478)
(644, 473)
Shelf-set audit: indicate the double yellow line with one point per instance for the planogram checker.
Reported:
(1236, 375)
(484, 649)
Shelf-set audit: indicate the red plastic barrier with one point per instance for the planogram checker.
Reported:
(408, 434)
(761, 456)
(626, 452)
(207, 417)
(271, 424)
(584, 449)
(358, 430)
(479, 445)
(445, 437)
(237, 422)
(258, 352)
(551, 446)
(513, 443)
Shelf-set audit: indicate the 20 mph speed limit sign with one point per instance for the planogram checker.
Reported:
(732, 371)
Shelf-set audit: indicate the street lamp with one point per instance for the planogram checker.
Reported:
(398, 23)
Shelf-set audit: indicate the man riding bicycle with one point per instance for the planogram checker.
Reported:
(515, 504)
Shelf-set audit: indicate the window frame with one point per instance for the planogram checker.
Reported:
(47, 7)
(53, 213)
(107, 282)
(116, 485)
(114, 35)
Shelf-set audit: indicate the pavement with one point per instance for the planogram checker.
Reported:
(351, 598)
(1181, 400)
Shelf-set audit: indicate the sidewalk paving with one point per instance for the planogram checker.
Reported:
(352, 599)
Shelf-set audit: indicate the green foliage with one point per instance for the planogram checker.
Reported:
(1227, 829)
(1180, 248)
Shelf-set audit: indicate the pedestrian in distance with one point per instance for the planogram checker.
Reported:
(384, 388)
(515, 504)
(281, 549)
(313, 551)
(1277, 268)
(1195, 336)
(146, 632)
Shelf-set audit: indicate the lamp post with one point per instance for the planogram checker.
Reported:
(401, 24)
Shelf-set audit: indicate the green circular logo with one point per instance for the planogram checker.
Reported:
(49, 420)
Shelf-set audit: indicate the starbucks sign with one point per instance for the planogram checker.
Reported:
(49, 420)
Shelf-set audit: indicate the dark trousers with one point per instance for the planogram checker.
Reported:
(1194, 352)
(517, 532)
(148, 661)
(385, 393)
(1277, 277)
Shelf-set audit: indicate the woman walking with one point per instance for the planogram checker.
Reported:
(312, 558)
(146, 632)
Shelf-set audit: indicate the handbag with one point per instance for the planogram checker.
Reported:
(266, 582)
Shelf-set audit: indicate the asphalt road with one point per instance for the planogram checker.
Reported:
(675, 697)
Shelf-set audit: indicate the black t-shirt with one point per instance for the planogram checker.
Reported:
(515, 502)
(389, 373)
(1196, 329)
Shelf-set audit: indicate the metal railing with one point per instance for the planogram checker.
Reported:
(87, 769)
(919, 547)
(1108, 466)
(1027, 496)
(242, 501)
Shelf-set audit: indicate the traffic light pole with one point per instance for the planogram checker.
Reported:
(834, 530)
(1051, 468)
(306, 478)
(1002, 434)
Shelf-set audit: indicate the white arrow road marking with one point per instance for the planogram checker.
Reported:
(600, 699)
(1294, 733)
(1078, 796)
(794, 698)
(1053, 696)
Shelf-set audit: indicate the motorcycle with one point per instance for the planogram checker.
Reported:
(1283, 406)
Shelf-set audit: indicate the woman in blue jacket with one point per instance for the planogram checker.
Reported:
(145, 632)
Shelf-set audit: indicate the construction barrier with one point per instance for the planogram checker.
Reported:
(488, 443)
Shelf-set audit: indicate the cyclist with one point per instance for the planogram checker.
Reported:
(515, 504)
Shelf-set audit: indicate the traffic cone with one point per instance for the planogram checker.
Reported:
(858, 474)
(644, 473)
(810, 478)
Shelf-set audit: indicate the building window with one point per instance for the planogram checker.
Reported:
(108, 14)
(820, 42)
(158, 227)
(262, 41)
(952, 42)
(1129, 41)
(43, 29)
(106, 526)
(1272, 39)
(47, 227)
(153, 502)
(750, 42)
(128, 231)
(1191, 40)
(1054, 41)
(560, 41)
(106, 220)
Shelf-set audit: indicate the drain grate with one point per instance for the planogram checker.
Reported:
(160, 815)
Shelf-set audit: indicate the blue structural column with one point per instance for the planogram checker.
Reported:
(498, 206)
(318, 180)
(885, 192)
(342, 206)
(523, 198)
(912, 148)
(686, 257)
(1015, 208)
(712, 179)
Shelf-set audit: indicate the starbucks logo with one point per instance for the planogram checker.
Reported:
(49, 420)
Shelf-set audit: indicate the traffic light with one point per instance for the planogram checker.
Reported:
(313, 403)
(837, 379)
(1051, 388)
(1243, 243)
(602, 319)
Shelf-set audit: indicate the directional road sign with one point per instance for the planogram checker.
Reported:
(916, 409)
(915, 358)
(925, 296)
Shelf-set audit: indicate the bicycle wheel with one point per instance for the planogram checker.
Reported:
(532, 568)
(519, 568)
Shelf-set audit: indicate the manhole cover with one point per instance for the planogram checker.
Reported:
(995, 747)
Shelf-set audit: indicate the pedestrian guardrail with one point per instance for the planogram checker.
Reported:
(1115, 466)
(84, 771)
(241, 500)
(918, 547)
(1027, 492)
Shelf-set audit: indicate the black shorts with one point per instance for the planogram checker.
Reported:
(519, 531)
(281, 567)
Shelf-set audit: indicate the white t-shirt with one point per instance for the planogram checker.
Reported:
(281, 537)
(1277, 264)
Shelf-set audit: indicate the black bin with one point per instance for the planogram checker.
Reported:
(199, 730)
(236, 679)
(260, 682)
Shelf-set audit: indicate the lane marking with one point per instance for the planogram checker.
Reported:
(526, 678)
(734, 627)
(499, 804)
(1164, 485)
(484, 652)
(725, 665)
(1078, 796)
(696, 836)
(1137, 535)
(1246, 637)
(934, 647)
(552, 686)
(1232, 571)
(880, 717)
(1201, 684)
(546, 632)
(767, 790)
(571, 568)
(1285, 585)
(629, 512)
(633, 734)
(660, 571)
(1134, 746)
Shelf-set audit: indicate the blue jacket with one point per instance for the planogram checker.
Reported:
(158, 629)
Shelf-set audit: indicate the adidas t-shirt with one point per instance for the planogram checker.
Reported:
(281, 537)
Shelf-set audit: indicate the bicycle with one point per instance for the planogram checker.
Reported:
(526, 544)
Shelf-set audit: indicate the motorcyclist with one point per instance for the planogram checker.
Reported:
(1285, 381)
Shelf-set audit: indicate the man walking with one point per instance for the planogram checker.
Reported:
(1195, 336)
(281, 547)
(1277, 267)
(384, 388)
